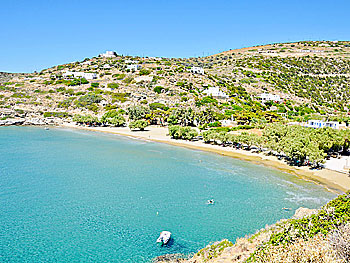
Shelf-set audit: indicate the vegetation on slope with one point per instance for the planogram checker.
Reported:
(321, 237)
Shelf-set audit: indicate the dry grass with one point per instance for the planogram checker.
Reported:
(339, 239)
(316, 249)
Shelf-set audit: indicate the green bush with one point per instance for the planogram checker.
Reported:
(113, 85)
(214, 124)
(56, 114)
(158, 89)
(144, 72)
(156, 105)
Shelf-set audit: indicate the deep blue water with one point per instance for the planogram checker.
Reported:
(76, 196)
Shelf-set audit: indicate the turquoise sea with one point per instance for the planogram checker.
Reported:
(76, 196)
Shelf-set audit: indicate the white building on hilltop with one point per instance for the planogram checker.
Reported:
(264, 97)
(215, 92)
(197, 70)
(79, 75)
(133, 67)
(108, 54)
(315, 124)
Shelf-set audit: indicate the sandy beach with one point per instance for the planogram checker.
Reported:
(333, 180)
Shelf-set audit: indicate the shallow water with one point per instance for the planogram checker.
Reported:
(77, 196)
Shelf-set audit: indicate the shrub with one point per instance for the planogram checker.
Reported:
(156, 105)
(56, 114)
(128, 80)
(158, 89)
(112, 85)
(122, 97)
(214, 124)
(119, 76)
(144, 72)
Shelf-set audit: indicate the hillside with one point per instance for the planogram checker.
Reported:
(310, 77)
(258, 88)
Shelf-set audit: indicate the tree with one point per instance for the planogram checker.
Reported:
(138, 124)
(86, 119)
(172, 120)
(137, 112)
(117, 121)
(184, 133)
(114, 118)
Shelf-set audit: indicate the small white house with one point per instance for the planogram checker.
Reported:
(133, 67)
(129, 61)
(197, 70)
(228, 123)
(315, 124)
(264, 97)
(215, 92)
(108, 54)
(106, 66)
(79, 75)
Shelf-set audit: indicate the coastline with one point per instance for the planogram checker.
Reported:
(332, 180)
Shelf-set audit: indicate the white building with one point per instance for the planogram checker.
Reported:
(133, 67)
(79, 75)
(197, 70)
(269, 97)
(228, 123)
(315, 124)
(106, 66)
(108, 54)
(129, 61)
(215, 92)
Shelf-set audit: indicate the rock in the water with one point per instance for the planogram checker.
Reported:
(169, 258)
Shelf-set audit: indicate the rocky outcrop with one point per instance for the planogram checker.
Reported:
(303, 212)
(5, 77)
(9, 122)
(30, 121)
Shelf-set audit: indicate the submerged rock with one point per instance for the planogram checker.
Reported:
(170, 258)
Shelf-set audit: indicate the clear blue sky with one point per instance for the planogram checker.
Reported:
(39, 34)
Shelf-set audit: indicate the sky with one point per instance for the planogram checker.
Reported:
(37, 34)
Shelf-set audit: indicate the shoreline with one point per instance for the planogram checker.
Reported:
(332, 180)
